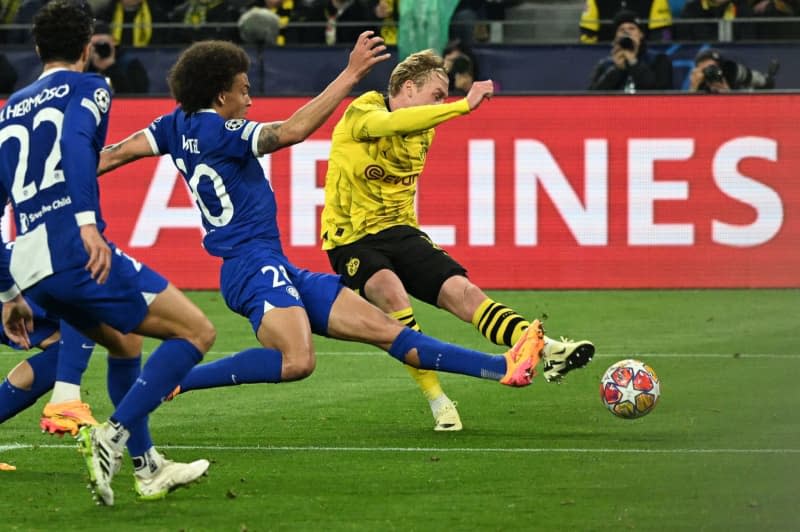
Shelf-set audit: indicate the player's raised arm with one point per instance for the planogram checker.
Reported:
(407, 120)
(418, 88)
(368, 51)
(132, 148)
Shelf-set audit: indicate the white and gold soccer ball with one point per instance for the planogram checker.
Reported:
(630, 389)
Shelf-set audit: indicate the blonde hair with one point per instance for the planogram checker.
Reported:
(417, 67)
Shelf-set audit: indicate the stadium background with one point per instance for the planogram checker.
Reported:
(351, 448)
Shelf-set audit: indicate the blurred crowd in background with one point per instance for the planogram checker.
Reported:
(451, 27)
(140, 23)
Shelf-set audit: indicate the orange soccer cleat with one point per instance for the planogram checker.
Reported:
(522, 358)
(66, 417)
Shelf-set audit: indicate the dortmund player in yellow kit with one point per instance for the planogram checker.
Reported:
(370, 229)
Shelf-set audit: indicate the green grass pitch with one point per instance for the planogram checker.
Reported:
(352, 447)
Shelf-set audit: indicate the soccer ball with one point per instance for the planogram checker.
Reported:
(630, 389)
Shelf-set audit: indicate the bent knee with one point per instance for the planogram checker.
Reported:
(118, 345)
(298, 365)
(204, 335)
(21, 376)
(385, 290)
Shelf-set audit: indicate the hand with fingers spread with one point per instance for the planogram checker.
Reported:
(480, 90)
(99, 264)
(368, 51)
(18, 321)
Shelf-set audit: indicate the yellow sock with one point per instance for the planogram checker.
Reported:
(498, 323)
(427, 380)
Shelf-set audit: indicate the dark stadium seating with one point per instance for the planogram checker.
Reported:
(517, 69)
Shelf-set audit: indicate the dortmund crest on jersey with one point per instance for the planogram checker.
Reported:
(352, 266)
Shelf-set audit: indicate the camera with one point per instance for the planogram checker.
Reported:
(737, 75)
(712, 74)
(102, 49)
(626, 43)
(741, 77)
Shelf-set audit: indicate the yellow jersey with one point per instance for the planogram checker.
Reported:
(376, 158)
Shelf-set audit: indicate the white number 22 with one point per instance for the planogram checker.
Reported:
(19, 190)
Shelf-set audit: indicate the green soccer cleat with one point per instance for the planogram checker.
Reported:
(102, 447)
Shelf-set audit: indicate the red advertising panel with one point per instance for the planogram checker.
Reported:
(534, 192)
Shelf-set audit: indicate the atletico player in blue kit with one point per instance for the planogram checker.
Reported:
(51, 133)
(63, 358)
(216, 150)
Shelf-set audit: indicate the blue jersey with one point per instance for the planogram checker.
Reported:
(219, 160)
(51, 133)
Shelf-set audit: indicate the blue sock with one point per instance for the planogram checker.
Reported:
(440, 356)
(14, 400)
(74, 352)
(165, 369)
(250, 366)
(122, 374)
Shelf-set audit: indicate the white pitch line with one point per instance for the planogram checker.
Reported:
(531, 450)
(620, 356)
(598, 355)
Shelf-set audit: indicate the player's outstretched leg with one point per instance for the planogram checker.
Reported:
(514, 368)
(353, 318)
(504, 326)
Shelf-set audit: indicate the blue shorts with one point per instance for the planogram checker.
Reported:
(120, 302)
(262, 279)
(44, 326)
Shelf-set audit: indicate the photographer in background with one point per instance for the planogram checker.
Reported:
(126, 75)
(461, 67)
(631, 67)
(713, 74)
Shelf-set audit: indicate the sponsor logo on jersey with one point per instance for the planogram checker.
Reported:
(26, 219)
(374, 172)
(234, 124)
(292, 291)
(352, 266)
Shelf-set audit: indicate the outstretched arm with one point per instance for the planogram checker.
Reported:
(132, 148)
(368, 52)
(384, 123)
